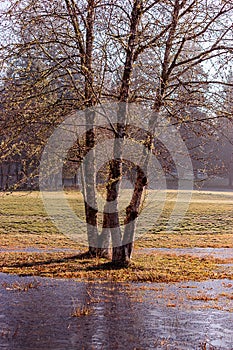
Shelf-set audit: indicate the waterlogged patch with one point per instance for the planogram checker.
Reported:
(134, 152)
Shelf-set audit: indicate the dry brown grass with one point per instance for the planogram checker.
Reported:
(22, 287)
(156, 267)
(81, 310)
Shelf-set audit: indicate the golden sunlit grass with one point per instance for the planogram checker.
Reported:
(227, 295)
(156, 267)
(22, 287)
(208, 223)
(81, 310)
(202, 297)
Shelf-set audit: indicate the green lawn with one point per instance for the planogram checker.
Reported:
(207, 223)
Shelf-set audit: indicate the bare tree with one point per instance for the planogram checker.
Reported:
(167, 56)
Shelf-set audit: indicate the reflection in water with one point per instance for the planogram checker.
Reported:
(125, 316)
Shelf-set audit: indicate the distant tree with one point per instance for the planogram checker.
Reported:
(224, 130)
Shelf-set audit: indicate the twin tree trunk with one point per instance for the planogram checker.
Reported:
(120, 253)
(98, 244)
(122, 243)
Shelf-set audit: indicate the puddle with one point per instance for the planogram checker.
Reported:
(122, 316)
(221, 253)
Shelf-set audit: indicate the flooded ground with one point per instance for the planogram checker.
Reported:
(36, 314)
(221, 253)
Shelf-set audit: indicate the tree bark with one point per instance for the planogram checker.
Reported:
(230, 177)
(132, 210)
(118, 254)
(91, 209)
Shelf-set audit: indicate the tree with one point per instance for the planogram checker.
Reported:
(157, 53)
(224, 130)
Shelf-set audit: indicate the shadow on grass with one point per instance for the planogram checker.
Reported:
(110, 266)
(82, 259)
(45, 262)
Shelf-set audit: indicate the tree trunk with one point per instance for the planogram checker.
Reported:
(230, 177)
(132, 210)
(91, 209)
(118, 253)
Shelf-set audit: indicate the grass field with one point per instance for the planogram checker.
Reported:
(207, 223)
